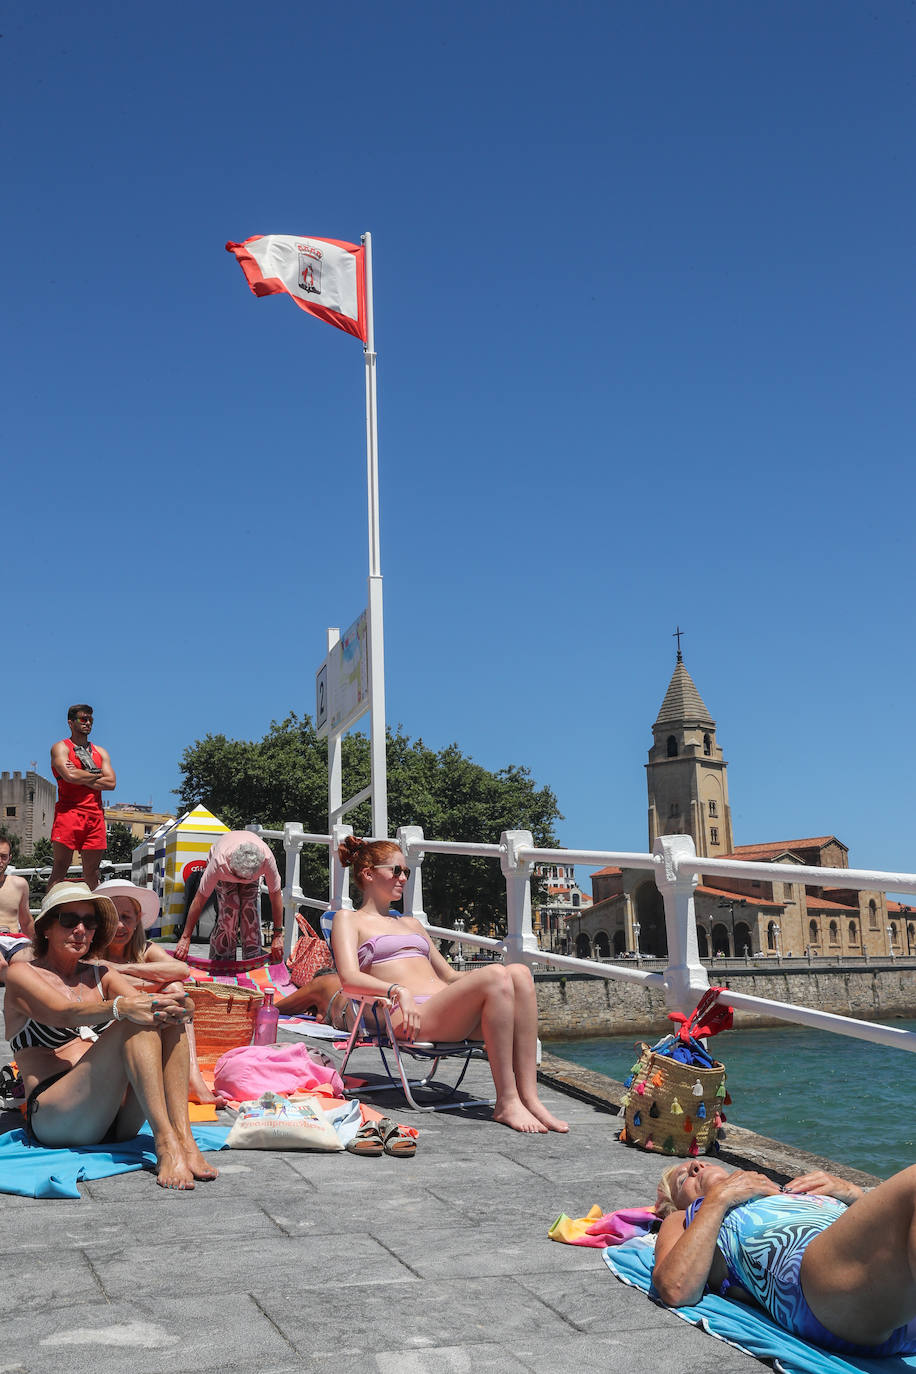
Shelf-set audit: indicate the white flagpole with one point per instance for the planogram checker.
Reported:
(379, 777)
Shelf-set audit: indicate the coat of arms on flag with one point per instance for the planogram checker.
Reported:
(326, 277)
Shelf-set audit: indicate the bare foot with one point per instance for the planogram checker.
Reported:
(200, 1167)
(172, 1170)
(518, 1118)
(553, 1123)
(202, 1095)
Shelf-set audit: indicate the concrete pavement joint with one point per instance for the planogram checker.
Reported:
(282, 1334)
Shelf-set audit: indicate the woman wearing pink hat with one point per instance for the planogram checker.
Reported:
(147, 965)
(98, 1057)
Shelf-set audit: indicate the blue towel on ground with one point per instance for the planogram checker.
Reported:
(748, 1328)
(36, 1171)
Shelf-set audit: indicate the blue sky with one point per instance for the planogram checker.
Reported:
(644, 316)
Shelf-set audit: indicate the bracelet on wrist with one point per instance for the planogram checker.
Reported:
(114, 1008)
(395, 987)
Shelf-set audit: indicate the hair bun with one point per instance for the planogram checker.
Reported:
(350, 850)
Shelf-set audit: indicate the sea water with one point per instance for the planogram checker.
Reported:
(829, 1094)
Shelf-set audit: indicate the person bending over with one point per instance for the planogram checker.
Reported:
(392, 957)
(828, 1262)
(237, 861)
(97, 1057)
(146, 965)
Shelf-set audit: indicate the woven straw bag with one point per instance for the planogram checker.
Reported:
(223, 1019)
(674, 1108)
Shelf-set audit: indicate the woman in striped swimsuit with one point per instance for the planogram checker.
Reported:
(97, 1057)
(826, 1261)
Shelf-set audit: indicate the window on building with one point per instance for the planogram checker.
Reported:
(713, 834)
(674, 809)
(813, 936)
(853, 933)
(834, 933)
(787, 891)
(672, 747)
(31, 794)
(771, 935)
(11, 810)
(707, 745)
(575, 899)
(893, 932)
(713, 809)
(873, 915)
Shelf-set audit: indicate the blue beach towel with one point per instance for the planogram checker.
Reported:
(747, 1328)
(34, 1171)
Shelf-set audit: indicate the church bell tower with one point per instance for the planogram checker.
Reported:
(686, 773)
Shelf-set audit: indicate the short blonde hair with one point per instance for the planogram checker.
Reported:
(665, 1202)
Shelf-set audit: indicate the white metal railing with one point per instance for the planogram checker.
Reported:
(676, 868)
(106, 868)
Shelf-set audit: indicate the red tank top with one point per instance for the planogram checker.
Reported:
(70, 794)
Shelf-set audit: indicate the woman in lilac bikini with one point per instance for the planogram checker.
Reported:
(392, 957)
(828, 1262)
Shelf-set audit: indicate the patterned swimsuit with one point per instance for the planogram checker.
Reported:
(763, 1243)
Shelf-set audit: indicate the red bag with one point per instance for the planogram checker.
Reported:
(310, 956)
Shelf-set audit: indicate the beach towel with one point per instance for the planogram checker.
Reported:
(597, 1230)
(747, 1328)
(35, 1171)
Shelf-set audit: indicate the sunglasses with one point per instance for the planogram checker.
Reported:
(397, 870)
(70, 920)
(84, 719)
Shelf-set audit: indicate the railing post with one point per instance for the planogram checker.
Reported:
(410, 840)
(293, 837)
(685, 976)
(340, 876)
(520, 938)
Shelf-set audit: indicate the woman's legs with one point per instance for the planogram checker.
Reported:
(484, 1004)
(859, 1276)
(121, 1079)
(524, 1057)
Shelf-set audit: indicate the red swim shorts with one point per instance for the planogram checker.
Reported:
(79, 829)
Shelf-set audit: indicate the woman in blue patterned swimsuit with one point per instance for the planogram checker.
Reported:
(828, 1262)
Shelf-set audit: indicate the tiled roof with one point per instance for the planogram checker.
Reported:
(604, 872)
(736, 897)
(765, 851)
(682, 700)
(824, 903)
(899, 910)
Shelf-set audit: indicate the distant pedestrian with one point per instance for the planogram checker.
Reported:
(15, 918)
(237, 862)
(83, 772)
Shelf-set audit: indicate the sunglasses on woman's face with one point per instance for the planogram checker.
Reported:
(397, 870)
(70, 920)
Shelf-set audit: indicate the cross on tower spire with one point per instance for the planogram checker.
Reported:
(677, 635)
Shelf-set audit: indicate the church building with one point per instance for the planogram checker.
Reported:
(687, 783)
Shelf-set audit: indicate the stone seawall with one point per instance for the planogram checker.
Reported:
(576, 1005)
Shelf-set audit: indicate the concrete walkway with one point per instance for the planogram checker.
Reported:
(311, 1262)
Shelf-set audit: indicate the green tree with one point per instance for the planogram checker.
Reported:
(121, 844)
(283, 777)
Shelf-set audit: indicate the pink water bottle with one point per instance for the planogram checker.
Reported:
(265, 1021)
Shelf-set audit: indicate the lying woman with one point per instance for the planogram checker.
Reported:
(98, 1057)
(828, 1262)
(148, 966)
(323, 998)
(392, 957)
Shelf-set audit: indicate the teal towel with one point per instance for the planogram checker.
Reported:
(748, 1328)
(36, 1171)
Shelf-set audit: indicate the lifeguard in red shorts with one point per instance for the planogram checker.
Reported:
(83, 772)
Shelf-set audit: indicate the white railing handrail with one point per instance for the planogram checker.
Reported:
(677, 869)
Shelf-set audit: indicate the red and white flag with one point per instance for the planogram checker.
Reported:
(324, 276)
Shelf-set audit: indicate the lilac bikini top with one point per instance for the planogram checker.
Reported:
(381, 949)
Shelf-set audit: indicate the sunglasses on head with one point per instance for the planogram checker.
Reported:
(70, 920)
(398, 870)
